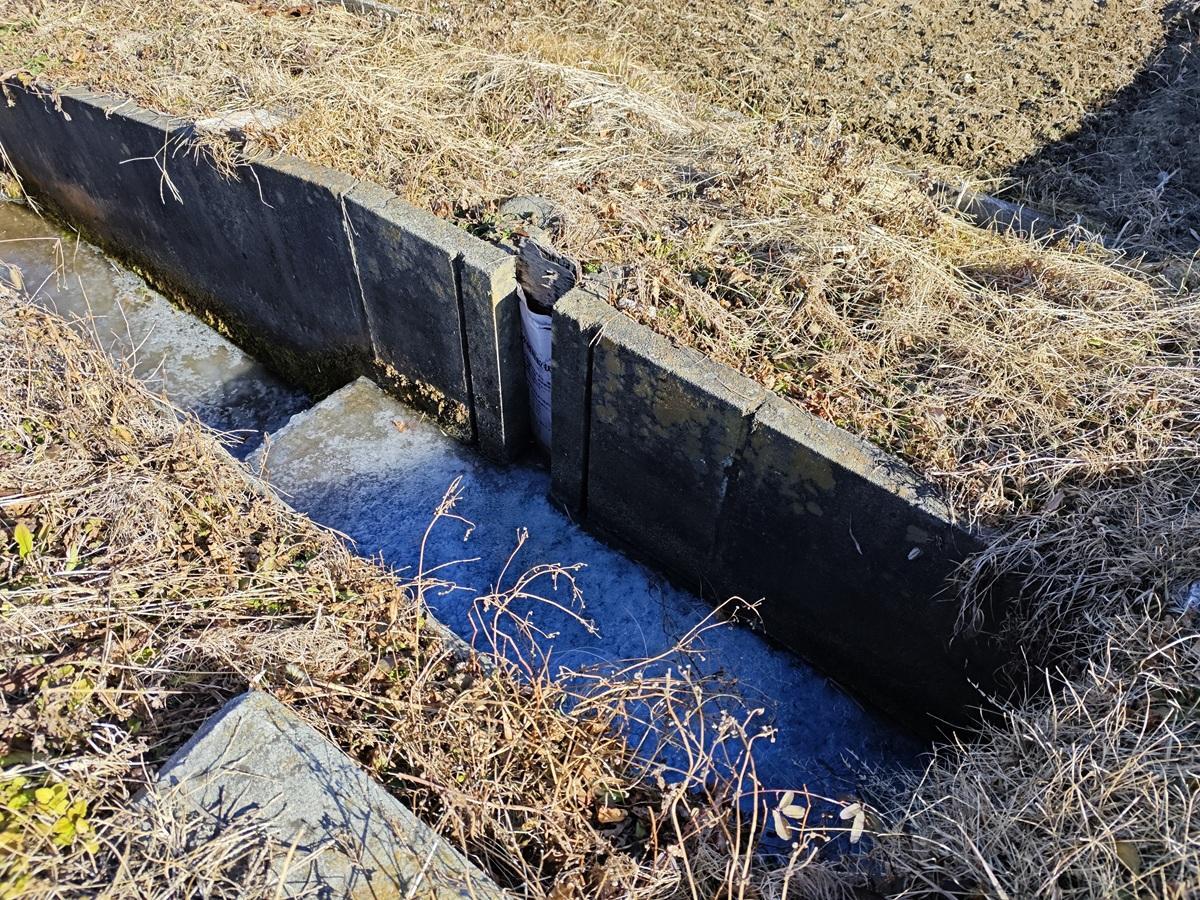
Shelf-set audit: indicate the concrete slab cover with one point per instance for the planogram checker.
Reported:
(351, 838)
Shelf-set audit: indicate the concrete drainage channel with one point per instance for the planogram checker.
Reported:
(348, 292)
(374, 468)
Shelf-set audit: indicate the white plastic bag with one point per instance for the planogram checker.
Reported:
(536, 337)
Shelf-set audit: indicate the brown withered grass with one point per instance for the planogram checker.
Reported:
(1047, 390)
(146, 577)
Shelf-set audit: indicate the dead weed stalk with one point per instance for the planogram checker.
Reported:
(145, 578)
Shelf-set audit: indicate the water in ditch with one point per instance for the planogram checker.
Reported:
(392, 468)
(364, 464)
(174, 352)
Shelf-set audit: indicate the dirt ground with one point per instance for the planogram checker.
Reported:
(1082, 109)
(981, 84)
(1078, 106)
(1134, 164)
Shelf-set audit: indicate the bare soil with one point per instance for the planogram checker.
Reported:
(1133, 165)
(982, 83)
(1079, 107)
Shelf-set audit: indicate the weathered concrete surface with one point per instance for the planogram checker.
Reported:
(487, 280)
(351, 838)
(406, 261)
(578, 318)
(666, 427)
(293, 260)
(265, 252)
(737, 492)
(853, 559)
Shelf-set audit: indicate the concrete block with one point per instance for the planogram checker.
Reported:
(269, 254)
(352, 839)
(666, 426)
(406, 267)
(266, 252)
(491, 319)
(578, 318)
(851, 554)
(103, 168)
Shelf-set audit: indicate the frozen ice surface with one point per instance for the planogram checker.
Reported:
(174, 352)
(370, 467)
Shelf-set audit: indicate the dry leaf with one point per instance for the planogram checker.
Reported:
(781, 826)
(610, 815)
(856, 812)
(1127, 852)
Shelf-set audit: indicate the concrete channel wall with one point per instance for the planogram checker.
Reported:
(740, 493)
(730, 489)
(321, 275)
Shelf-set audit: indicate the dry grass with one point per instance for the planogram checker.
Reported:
(1090, 792)
(145, 578)
(158, 580)
(1051, 394)
(1033, 384)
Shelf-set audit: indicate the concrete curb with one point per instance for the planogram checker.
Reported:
(321, 275)
(345, 835)
(737, 492)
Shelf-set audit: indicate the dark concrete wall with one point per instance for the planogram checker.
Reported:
(738, 492)
(732, 490)
(321, 275)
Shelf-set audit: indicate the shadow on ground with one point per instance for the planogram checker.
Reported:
(1133, 167)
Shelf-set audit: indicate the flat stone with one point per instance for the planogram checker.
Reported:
(352, 839)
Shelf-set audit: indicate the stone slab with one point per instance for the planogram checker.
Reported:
(406, 266)
(578, 318)
(852, 557)
(665, 430)
(352, 838)
(491, 316)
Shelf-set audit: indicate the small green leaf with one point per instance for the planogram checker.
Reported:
(24, 539)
